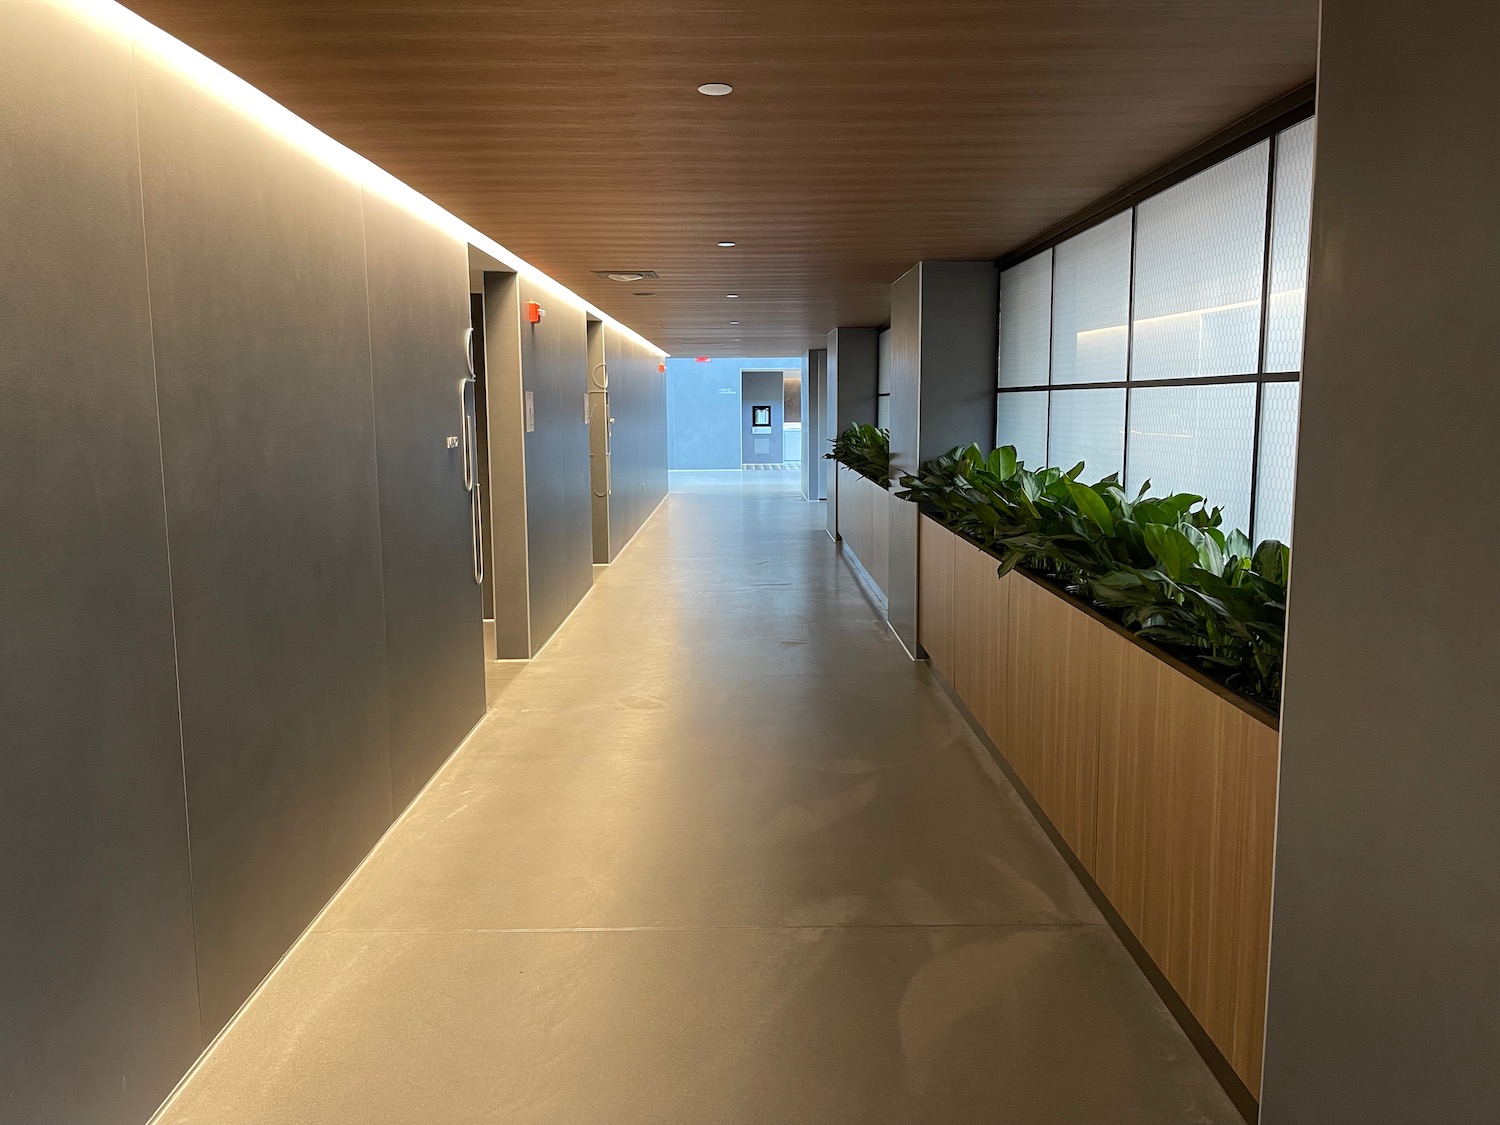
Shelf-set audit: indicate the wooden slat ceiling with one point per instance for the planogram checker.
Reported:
(862, 135)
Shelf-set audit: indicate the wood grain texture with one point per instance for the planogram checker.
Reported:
(936, 547)
(880, 536)
(1187, 795)
(1164, 790)
(1054, 728)
(571, 131)
(981, 672)
(864, 524)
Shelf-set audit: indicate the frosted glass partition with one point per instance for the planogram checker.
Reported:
(1199, 266)
(1021, 421)
(1195, 439)
(1088, 426)
(1277, 467)
(1091, 304)
(1150, 337)
(1291, 217)
(1026, 322)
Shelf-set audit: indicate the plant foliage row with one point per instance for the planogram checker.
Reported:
(1161, 565)
(867, 450)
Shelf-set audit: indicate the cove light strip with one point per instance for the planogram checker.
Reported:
(244, 98)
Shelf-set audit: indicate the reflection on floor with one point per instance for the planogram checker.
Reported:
(721, 854)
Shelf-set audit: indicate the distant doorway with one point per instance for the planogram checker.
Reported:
(762, 415)
(791, 421)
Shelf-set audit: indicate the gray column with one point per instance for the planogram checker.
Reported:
(536, 382)
(1384, 999)
(944, 339)
(814, 469)
(849, 393)
(599, 438)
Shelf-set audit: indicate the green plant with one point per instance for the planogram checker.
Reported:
(1161, 565)
(867, 450)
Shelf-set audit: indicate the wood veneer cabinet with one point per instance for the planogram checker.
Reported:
(864, 524)
(1162, 783)
(935, 624)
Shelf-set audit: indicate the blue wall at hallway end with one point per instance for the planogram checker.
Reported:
(703, 409)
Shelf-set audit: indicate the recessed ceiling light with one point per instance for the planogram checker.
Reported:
(627, 277)
(716, 89)
(731, 296)
(726, 244)
(733, 322)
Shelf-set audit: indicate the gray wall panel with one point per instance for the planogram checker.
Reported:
(638, 404)
(506, 418)
(761, 388)
(815, 471)
(98, 1005)
(559, 513)
(906, 390)
(1384, 998)
(263, 370)
(849, 391)
(906, 368)
(600, 409)
(482, 431)
(960, 341)
(942, 379)
(419, 310)
(853, 376)
(703, 408)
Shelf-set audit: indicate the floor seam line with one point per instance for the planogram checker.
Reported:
(722, 929)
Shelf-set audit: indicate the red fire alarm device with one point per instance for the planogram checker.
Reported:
(662, 366)
(534, 312)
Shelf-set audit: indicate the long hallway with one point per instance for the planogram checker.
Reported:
(722, 853)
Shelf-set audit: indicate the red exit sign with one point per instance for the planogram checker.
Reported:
(702, 359)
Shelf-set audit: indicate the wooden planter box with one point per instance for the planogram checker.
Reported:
(864, 525)
(1162, 783)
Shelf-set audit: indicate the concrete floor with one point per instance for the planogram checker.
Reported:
(721, 854)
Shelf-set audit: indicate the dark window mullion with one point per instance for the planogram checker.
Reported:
(1129, 355)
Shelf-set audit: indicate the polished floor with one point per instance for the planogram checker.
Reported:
(721, 854)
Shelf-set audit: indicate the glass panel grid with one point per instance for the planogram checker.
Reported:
(1291, 223)
(1199, 266)
(1021, 421)
(1091, 304)
(1195, 439)
(1088, 426)
(1276, 469)
(1200, 257)
(1026, 322)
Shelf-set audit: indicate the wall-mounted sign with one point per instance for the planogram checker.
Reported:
(760, 415)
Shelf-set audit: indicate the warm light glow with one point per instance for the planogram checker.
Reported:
(1171, 316)
(271, 115)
